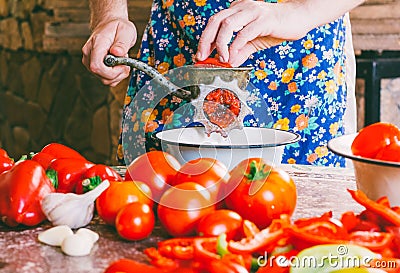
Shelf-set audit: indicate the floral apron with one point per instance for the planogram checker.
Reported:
(302, 83)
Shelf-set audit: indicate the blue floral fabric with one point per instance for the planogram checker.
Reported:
(302, 82)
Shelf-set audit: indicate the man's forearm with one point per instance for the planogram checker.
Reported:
(105, 10)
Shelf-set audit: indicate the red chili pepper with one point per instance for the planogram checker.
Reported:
(381, 209)
(212, 61)
(68, 172)
(160, 261)
(43, 159)
(319, 232)
(375, 241)
(177, 248)
(266, 237)
(94, 176)
(130, 266)
(205, 249)
(22, 188)
(6, 162)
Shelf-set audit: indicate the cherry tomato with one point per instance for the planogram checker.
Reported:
(208, 172)
(119, 194)
(372, 138)
(156, 168)
(259, 192)
(219, 222)
(135, 221)
(181, 207)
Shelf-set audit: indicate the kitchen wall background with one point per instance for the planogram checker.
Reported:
(46, 95)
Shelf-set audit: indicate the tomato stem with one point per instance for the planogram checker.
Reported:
(257, 172)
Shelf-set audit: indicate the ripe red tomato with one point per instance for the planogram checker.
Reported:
(181, 207)
(390, 152)
(371, 139)
(135, 221)
(259, 192)
(156, 169)
(220, 221)
(208, 172)
(118, 195)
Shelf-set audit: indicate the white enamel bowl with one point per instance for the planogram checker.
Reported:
(376, 178)
(192, 142)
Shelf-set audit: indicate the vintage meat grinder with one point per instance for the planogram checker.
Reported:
(218, 94)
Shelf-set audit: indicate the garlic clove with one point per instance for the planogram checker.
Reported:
(55, 235)
(94, 236)
(77, 245)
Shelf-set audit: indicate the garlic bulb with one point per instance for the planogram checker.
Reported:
(73, 210)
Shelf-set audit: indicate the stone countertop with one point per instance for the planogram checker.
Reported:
(319, 190)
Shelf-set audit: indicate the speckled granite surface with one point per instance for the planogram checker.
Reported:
(319, 190)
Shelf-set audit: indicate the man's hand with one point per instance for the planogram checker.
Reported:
(114, 37)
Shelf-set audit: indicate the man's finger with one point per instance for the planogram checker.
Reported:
(123, 41)
(242, 55)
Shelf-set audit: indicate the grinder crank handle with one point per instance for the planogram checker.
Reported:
(111, 61)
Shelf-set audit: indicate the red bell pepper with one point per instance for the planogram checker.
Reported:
(94, 176)
(22, 188)
(68, 172)
(382, 209)
(6, 162)
(54, 151)
(375, 241)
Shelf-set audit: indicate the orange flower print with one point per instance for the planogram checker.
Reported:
(310, 61)
(163, 67)
(336, 69)
(312, 157)
(200, 3)
(151, 126)
(331, 87)
(134, 117)
(127, 100)
(295, 108)
(167, 115)
(336, 44)
(181, 43)
(148, 114)
(302, 122)
(163, 102)
(282, 124)
(181, 23)
(308, 44)
(321, 75)
(287, 75)
(179, 60)
(333, 128)
(291, 161)
(273, 86)
(292, 87)
(263, 64)
(189, 20)
(135, 127)
(321, 151)
(150, 61)
(260, 74)
(167, 3)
